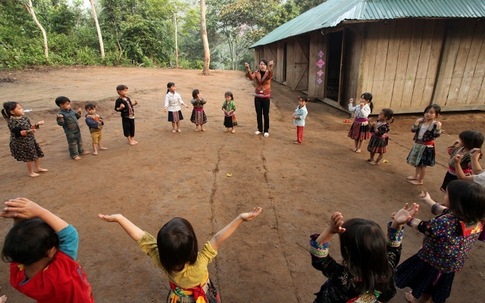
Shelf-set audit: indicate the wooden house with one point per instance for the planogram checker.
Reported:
(407, 53)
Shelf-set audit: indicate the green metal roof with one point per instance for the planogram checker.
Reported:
(333, 12)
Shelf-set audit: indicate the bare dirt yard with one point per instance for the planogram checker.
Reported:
(185, 174)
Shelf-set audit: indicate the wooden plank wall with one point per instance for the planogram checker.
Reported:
(400, 61)
(461, 84)
(300, 70)
(318, 50)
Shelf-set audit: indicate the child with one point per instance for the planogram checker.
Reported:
(172, 104)
(447, 241)
(42, 249)
(359, 131)
(198, 116)
(175, 251)
(299, 117)
(422, 154)
(23, 145)
(379, 139)
(468, 140)
(369, 258)
(478, 172)
(67, 118)
(95, 123)
(124, 105)
(229, 109)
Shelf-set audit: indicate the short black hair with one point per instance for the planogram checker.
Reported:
(62, 100)
(303, 98)
(471, 139)
(121, 87)
(29, 241)
(89, 106)
(466, 200)
(195, 92)
(437, 109)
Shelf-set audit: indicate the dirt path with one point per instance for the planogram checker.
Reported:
(184, 174)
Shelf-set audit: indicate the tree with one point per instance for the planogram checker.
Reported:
(30, 8)
(98, 29)
(205, 40)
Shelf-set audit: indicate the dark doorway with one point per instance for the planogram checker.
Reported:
(334, 59)
(285, 52)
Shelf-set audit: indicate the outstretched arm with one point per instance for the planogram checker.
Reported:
(475, 156)
(404, 215)
(23, 208)
(227, 231)
(459, 170)
(335, 227)
(131, 229)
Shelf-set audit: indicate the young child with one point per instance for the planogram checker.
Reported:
(378, 141)
(198, 116)
(175, 251)
(299, 117)
(67, 118)
(422, 154)
(447, 241)
(229, 109)
(42, 249)
(369, 258)
(23, 145)
(126, 108)
(359, 131)
(95, 123)
(468, 140)
(172, 104)
(477, 170)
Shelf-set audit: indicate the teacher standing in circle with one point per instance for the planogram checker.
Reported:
(262, 93)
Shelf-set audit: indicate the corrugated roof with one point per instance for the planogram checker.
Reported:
(333, 12)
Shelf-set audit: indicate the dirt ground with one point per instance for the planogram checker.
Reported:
(185, 174)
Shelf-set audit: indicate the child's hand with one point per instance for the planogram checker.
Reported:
(110, 218)
(165, 109)
(336, 221)
(122, 106)
(60, 116)
(40, 122)
(136, 102)
(251, 215)
(455, 142)
(405, 214)
(426, 198)
(419, 120)
(246, 65)
(351, 100)
(186, 106)
(457, 159)
(21, 208)
(475, 153)
(79, 110)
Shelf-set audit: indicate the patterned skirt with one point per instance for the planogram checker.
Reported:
(25, 149)
(421, 155)
(422, 278)
(230, 121)
(359, 131)
(179, 295)
(198, 117)
(175, 116)
(377, 145)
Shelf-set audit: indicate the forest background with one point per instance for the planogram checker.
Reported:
(137, 32)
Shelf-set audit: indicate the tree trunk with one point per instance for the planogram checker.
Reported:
(98, 29)
(205, 41)
(30, 8)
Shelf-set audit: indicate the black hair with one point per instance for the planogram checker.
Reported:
(29, 241)
(389, 114)
(471, 139)
(195, 92)
(89, 106)
(368, 97)
(303, 98)
(229, 94)
(7, 107)
(169, 85)
(467, 200)
(364, 252)
(264, 61)
(177, 244)
(121, 87)
(437, 109)
(62, 100)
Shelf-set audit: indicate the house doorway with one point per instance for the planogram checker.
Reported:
(334, 64)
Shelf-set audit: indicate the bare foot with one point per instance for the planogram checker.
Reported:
(202, 129)
(3, 299)
(409, 297)
(411, 178)
(357, 150)
(133, 143)
(95, 153)
(233, 131)
(33, 175)
(103, 148)
(173, 130)
(76, 158)
(179, 131)
(85, 153)
(133, 140)
(196, 129)
(373, 162)
(41, 170)
(415, 182)
(353, 149)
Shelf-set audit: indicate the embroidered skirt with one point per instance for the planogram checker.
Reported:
(187, 295)
(198, 116)
(359, 130)
(377, 144)
(421, 277)
(230, 121)
(175, 116)
(421, 155)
